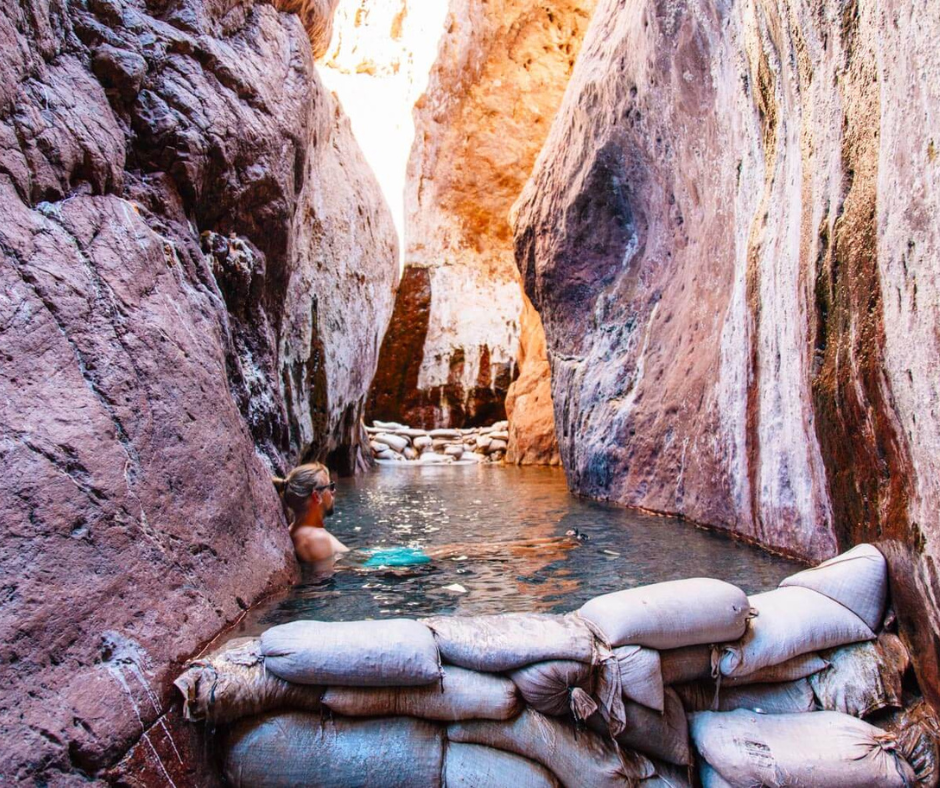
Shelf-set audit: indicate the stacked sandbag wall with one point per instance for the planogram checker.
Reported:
(683, 683)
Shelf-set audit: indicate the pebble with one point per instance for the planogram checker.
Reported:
(456, 588)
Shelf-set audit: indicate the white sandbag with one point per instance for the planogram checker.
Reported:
(819, 750)
(293, 749)
(396, 652)
(671, 615)
(791, 621)
(864, 677)
(577, 758)
(475, 766)
(503, 642)
(660, 735)
(790, 697)
(462, 695)
(396, 443)
(423, 442)
(232, 683)
(917, 731)
(857, 579)
(700, 663)
(641, 677)
(550, 687)
(388, 426)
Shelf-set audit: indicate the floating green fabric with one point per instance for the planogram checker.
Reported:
(398, 556)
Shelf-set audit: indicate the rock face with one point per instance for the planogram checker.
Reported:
(532, 438)
(196, 269)
(731, 237)
(499, 77)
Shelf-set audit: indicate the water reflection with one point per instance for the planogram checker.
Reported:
(473, 507)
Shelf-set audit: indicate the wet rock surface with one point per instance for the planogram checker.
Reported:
(177, 190)
(499, 76)
(729, 238)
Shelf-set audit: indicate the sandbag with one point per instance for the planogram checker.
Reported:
(917, 731)
(292, 749)
(462, 695)
(507, 641)
(863, 677)
(790, 621)
(557, 687)
(641, 677)
(668, 775)
(576, 758)
(232, 683)
(791, 697)
(824, 749)
(711, 779)
(670, 615)
(393, 653)
(663, 735)
(475, 766)
(699, 663)
(857, 579)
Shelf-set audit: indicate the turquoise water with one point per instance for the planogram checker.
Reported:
(479, 509)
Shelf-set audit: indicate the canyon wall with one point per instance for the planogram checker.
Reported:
(731, 236)
(197, 268)
(500, 73)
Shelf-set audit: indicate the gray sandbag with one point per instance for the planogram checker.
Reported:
(462, 695)
(557, 687)
(700, 663)
(824, 749)
(670, 615)
(396, 652)
(506, 641)
(917, 731)
(668, 775)
(476, 766)
(711, 779)
(791, 621)
(576, 758)
(857, 579)
(641, 676)
(292, 749)
(864, 677)
(232, 683)
(662, 735)
(790, 697)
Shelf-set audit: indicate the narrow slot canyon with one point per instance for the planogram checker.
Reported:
(608, 331)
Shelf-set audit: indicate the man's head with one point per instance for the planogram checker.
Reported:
(305, 486)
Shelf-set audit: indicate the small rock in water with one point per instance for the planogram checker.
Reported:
(456, 588)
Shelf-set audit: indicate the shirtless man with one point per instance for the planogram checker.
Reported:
(308, 496)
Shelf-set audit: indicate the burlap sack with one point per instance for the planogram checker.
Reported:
(507, 641)
(462, 695)
(577, 758)
(557, 687)
(863, 677)
(391, 653)
(791, 621)
(291, 749)
(670, 615)
(475, 766)
(823, 749)
(700, 663)
(232, 683)
(857, 579)
(790, 697)
(641, 677)
(917, 731)
(663, 735)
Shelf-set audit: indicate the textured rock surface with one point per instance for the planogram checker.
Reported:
(532, 438)
(731, 237)
(500, 74)
(177, 189)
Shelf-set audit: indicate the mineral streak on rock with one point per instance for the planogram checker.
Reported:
(177, 190)
(731, 238)
(499, 76)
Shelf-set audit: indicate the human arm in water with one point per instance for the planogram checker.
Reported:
(315, 544)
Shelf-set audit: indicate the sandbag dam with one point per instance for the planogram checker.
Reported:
(470, 393)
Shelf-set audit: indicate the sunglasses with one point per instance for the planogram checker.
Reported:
(331, 487)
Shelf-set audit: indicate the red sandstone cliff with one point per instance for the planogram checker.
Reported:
(197, 266)
(501, 70)
(731, 236)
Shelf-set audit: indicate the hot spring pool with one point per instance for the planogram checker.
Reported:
(474, 506)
